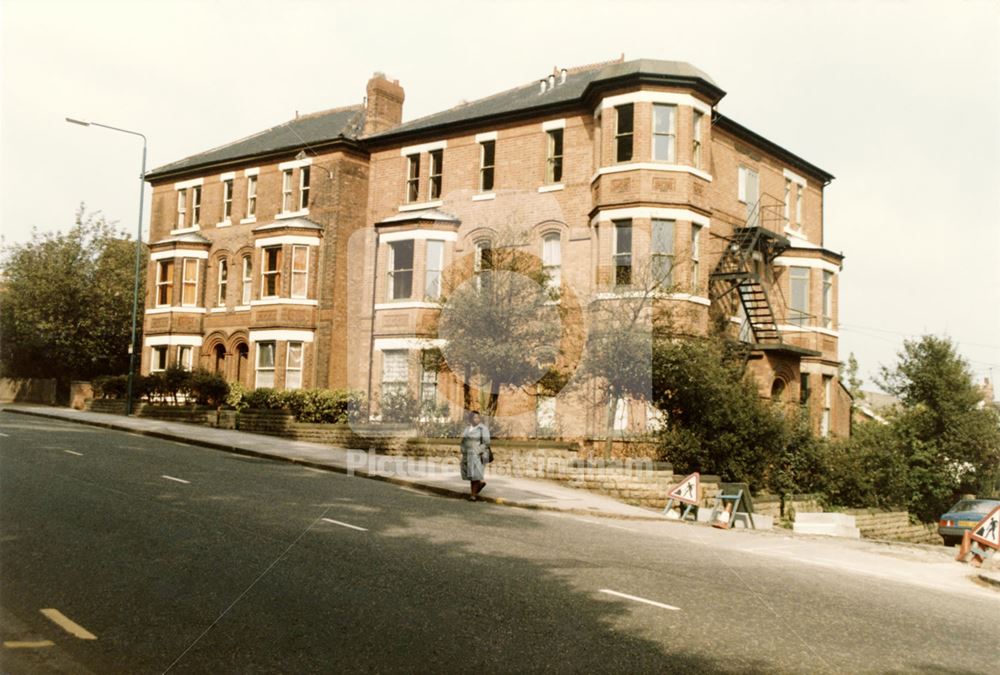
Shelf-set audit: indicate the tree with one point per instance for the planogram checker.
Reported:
(498, 322)
(949, 439)
(849, 375)
(66, 302)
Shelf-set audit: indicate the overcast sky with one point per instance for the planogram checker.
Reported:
(899, 100)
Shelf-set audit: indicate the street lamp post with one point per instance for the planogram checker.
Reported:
(138, 256)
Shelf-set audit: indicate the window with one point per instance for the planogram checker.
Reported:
(223, 282)
(412, 178)
(429, 378)
(251, 196)
(664, 132)
(181, 209)
(695, 256)
(195, 205)
(395, 371)
(799, 281)
(286, 190)
(662, 252)
(623, 132)
(189, 282)
(227, 201)
(247, 280)
(185, 357)
(483, 263)
(621, 415)
(270, 286)
(798, 205)
(827, 299)
(545, 413)
(623, 252)
(303, 188)
(437, 167)
(552, 260)
(696, 140)
(749, 193)
(158, 359)
(487, 159)
(300, 271)
(293, 366)
(788, 199)
(265, 364)
(164, 283)
(401, 270)
(554, 166)
(824, 422)
(432, 273)
(804, 389)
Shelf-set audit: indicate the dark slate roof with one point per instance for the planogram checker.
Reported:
(527, 99)
(185, 238)
(425, 214)
(728, 124)
(301, 132)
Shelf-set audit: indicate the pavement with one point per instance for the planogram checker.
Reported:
(922, 565)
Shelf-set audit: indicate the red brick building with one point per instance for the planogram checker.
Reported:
(313, 254)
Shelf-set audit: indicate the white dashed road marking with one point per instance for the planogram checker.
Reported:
(71, 452)
(337, 522)
(68, 625)
(654, 603)
(14, 644)
(179, 480)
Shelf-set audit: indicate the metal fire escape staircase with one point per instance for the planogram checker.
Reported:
(752, 249)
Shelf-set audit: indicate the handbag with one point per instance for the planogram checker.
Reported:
(486, 453)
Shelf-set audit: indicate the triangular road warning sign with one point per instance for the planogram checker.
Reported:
(988, 530)
(688, 490)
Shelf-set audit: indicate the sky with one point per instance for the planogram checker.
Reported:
(899, 100)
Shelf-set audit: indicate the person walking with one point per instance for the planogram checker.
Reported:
(476, 454)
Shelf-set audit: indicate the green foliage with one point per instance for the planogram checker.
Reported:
(851, 379)
(264, 398)
(175, 381)
(867, 470)
(715, 420)
(110, 386)
(207, 388)
(66, 302)
(236, 398)
(399, 407)
(322, 405)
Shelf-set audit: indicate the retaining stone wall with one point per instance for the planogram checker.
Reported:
(893, 525)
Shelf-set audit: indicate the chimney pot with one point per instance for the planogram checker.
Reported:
(541, 88)
(552, 81)
(562, 76)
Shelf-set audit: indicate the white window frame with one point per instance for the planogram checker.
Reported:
(158, 358)
(619, 135)
(788, 199)
(395, 385)
(251, 196)
(185, 357)
(195, 206)
(304, 177)
(227, 200)
(246, 293)
(412, 194)
(616, 254)
(798, 316)
(696, 145)
(267, 371)
(293, 375)
(824, 423)
(161, 282)
(484, 167)
(695, 256)
(223, 282)
(428, 385)
(286, 191)
(552, 259)
(195, 263)
(827, 299)
(265, 274)
(799, 196)
(656, 256)
(742, 185)
(552, 159)
(182, 208)
(392, 271)
(433, 268)
(670, 134)
(435, 174)
(300, 250)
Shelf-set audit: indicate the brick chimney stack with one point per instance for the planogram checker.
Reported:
(384, 104)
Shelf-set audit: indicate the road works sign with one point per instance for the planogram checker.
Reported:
(688, 490)
(988, 530)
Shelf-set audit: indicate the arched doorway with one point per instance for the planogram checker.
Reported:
(242, 363)
(778, 389)
(219, 361)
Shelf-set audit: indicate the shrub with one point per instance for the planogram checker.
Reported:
(264, 398)
(322, 405)
(110, 386)
(236, 398)
(207, 388)
(399, 407)
(176, 380)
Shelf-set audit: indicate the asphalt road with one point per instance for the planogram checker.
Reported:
(178, 559)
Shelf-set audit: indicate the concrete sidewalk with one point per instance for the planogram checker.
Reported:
(417, 473)
(924, 566)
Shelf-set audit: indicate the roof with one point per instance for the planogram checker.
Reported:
(425, 214)
(527, 99)
(728, 124)
(186, 238)
(302, 132)
(289, 224)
